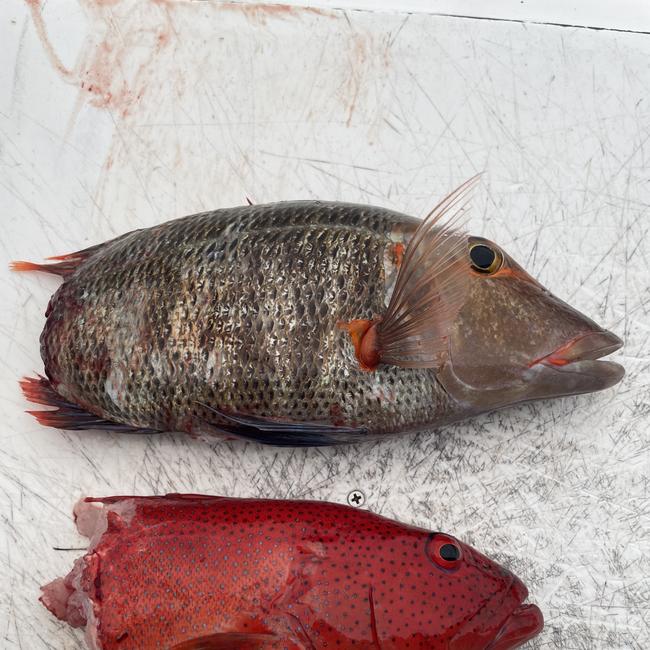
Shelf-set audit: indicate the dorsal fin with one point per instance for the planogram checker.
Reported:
(429, 292)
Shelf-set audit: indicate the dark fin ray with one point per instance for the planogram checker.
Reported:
(226, 640)
(284, 433)
(67, 415)
(63, 266)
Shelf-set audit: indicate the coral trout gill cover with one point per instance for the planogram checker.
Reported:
(191, 572)
(305, 323)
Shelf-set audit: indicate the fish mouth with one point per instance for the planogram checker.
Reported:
(581, 358)
(525, 622)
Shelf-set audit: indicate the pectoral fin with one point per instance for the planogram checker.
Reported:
(430, 289)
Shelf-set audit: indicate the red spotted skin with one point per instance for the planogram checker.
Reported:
(312, 574)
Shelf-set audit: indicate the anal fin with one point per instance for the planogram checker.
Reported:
(66, 415)
(284, 433)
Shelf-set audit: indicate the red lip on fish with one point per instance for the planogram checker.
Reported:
(524, 624)
(589, 346)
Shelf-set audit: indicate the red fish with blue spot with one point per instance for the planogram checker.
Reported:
(191, 572)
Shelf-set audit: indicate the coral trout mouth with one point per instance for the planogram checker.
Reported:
(525, 622)
(582, 357)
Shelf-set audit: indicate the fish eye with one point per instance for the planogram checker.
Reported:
(449, 552)
(484, 258)
(444, 551)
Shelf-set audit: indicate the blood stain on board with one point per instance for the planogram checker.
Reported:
(358, 68)
(39, 25)
(124, 43)
(260, 13)
(115, 64)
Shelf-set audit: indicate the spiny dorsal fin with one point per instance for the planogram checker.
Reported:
(430, 290)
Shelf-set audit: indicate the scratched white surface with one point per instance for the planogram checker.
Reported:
(187, 106)
(624, 15)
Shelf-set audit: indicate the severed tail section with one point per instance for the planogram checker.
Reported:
(66, 415)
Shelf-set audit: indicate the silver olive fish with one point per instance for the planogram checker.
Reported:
(305, 323)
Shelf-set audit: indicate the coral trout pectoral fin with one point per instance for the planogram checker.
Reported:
(63, 265)
(430, 290)
(227, 640)
(66, 415)
(283, 433)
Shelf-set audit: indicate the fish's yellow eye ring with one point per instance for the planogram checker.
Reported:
(485, 259)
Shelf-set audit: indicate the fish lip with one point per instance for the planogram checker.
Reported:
(525, 622)
(589, 346)
(578, 366)
(582, 356)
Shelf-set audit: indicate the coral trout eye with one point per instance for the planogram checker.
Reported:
(484, 258)
(444, 551)
(449, 552)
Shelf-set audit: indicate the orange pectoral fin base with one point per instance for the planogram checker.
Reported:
(363, 333)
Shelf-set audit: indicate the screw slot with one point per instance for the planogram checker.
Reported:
(356, 498)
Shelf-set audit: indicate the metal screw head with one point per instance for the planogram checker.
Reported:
(356, 498)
